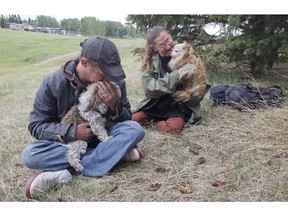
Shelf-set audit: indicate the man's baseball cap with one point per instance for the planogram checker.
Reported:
(105, 54)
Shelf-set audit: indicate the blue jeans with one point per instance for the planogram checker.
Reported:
(50, 156)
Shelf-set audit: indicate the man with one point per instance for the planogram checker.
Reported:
(59, 91)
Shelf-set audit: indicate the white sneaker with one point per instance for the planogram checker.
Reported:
(40, 183)
(134, 155)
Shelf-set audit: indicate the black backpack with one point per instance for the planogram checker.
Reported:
(246, 95)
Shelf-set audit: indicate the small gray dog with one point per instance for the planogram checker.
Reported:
(90, 109)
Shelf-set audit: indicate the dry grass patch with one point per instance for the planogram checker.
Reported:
(230, 156)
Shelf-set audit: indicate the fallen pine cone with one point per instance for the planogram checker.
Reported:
(217, 183)
(154, 187)
(194, 150)
(201, 160)
(61, 199)
(183, 188)
(161, 169)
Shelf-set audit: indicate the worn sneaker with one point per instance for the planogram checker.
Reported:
(40, 183)
(134, 155)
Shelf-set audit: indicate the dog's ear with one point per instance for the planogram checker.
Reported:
(188, 47)
(94, 100)
(185, 47)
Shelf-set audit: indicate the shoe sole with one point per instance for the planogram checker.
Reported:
(28, 185)
(139, 151)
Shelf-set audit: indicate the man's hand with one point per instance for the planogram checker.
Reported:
(83, 132)
(108, 94)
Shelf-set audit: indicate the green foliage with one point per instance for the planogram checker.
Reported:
(283, 52)
(138, 53)
(71, 24)
(3, 22)
(13, 18)
(262, 37)
(89, 26)
(111, 29)
(213, 57)
(182, 27)
(255, 40)
(47, 21)
(92, 26)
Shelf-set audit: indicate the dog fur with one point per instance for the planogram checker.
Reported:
(90, 109)
(194, 80)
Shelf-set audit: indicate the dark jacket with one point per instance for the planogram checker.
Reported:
(54, 98)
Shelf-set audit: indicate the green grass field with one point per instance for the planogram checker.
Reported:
(245, 151)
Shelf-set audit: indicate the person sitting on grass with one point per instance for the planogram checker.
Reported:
(159, 83)
(59, 91)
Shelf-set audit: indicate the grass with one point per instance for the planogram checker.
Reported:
(245, 151)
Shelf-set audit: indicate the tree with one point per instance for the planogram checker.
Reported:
(259, 38)
(122, 31)
(47, 21)
(19, 20)
(181, 27)
(92, 26)
(3, 22)
(112, 28)
(71, 24)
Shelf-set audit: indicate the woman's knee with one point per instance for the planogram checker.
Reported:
(140, 117)
(171, 125)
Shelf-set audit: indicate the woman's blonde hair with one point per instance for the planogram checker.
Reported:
(149, 51)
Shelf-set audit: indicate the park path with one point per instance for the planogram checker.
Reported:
(72, 54)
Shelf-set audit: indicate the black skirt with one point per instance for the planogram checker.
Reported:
(165, 107)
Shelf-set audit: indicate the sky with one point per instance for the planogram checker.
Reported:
(118, 10)
(65, 9)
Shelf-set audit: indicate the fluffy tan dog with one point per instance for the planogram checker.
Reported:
(90, 109)
(193, 70)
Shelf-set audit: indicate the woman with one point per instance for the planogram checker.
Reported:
(158, 83)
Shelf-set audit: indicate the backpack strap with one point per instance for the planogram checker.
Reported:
(244, 95)
(272, 95)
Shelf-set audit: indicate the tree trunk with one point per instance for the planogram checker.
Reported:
(270, 64)
(252, 67)
(256, 70)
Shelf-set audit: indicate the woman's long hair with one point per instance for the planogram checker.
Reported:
(149, 51)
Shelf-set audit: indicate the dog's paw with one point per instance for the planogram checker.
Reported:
(181, 96)
(186, 72)
(106, 138)
(79, 168)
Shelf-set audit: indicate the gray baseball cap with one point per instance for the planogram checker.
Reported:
(105, 54)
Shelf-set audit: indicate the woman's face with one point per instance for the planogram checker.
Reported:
(164, 44)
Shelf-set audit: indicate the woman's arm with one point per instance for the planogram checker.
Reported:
(155, 88)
